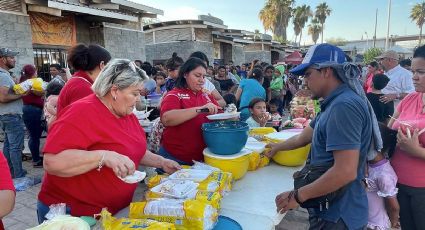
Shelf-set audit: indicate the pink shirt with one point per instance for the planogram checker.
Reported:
(410, 170)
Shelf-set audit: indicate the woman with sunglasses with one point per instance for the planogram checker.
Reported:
(87, 61)
(409, 156)
(96, 141)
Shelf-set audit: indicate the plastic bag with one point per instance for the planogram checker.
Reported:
(35, 84)
(184, 214)
(108, 222)
(211, 198)
(179, 189)
(56, 210)
(202, 166)
(63, 222)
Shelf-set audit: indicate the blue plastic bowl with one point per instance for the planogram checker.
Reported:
(226, 223)
(225, 137)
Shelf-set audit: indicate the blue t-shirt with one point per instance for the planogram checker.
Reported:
(251, 89)
(344, 123)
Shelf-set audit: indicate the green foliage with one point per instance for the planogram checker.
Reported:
(371, 54)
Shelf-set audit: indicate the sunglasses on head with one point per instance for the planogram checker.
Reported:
(119, 69)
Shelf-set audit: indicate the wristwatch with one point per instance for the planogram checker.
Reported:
(296, 196)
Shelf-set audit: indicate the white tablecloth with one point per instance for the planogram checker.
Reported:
(251, 201)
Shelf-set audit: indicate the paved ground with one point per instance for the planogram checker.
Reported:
(24, 215)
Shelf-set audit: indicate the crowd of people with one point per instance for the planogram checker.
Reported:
(368, 133)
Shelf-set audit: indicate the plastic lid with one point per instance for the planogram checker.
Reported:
(227, 223)
(243, 152)
(284, 134)
(254, 145)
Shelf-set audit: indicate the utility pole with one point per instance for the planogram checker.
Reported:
(376, 23)
(388, 25)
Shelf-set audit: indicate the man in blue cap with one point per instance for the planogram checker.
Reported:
(340, 136)
(11, 114)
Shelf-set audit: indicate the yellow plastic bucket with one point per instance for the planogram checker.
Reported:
(294, 157)
(237, 164)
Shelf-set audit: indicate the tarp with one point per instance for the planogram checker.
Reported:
(294, 58)
(52, 30)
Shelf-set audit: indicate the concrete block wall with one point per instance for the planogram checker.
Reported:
(184, 49)
(238, 55)
(264, 56)
(15, 33)
(123, 43)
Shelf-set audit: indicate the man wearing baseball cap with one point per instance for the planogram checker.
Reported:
(401, 82)
(340, 137)
(11, 114)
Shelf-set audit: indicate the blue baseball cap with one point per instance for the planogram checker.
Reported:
(321, 54)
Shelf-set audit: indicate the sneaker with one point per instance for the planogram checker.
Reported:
(38, 164)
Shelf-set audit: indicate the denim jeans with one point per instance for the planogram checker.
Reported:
(162, 152)
(13, 129)
(43, 209)
(32, 120)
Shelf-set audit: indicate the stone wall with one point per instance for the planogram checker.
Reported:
(238, 55)
(83, 31)
(124, 43)
(183, 49)
(264, 56)
(16, 34)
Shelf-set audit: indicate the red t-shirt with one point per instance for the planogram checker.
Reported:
(410, 170)
(6, 182)
(89, 125)
(77, 87)
(185, 141)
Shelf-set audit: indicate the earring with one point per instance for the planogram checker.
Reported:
(115, 98)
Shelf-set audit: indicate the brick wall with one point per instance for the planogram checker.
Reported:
(122, 43)
(15, 33)
(163, 51)
(264, 56)
(238, 55)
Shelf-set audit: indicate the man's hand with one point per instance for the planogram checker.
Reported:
(285, 201)
(271, 150)
(388, 98)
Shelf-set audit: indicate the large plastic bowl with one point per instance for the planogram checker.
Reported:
(236, 164)
(225, 137)
(295, 157)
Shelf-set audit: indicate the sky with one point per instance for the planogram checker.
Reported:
(350, 19)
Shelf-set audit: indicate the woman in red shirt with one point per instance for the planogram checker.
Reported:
(372, 69)
(7, 191)
(409, 157)
(182, 116)
(32, 113)
(87, 61)
(95, 141)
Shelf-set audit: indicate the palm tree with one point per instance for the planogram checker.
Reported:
(322, 12)
(301, 16)
(314, 29)
(275, 16)
(418, 14)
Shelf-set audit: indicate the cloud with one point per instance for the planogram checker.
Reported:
(182, 12)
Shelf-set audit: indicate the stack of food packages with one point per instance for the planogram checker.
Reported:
(187, 199)
(302, 110)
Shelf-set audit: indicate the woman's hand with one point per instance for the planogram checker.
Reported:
(212, 108)
(408, 144)
(120, 164)
(169, 166)
(271, 150)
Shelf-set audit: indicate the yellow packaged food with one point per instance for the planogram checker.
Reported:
(264, 161)
(211, 198)
(184, 214)
(254, 161)
(109, 222)
(35, 84)
(218, 181)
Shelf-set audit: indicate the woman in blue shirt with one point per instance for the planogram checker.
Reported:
(249, 89)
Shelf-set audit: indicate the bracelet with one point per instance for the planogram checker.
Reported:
(100, 164)
(296, 196)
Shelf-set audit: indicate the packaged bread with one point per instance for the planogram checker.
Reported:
(184, 214)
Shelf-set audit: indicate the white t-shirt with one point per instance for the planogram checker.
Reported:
(400, 81)
(208, 85)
